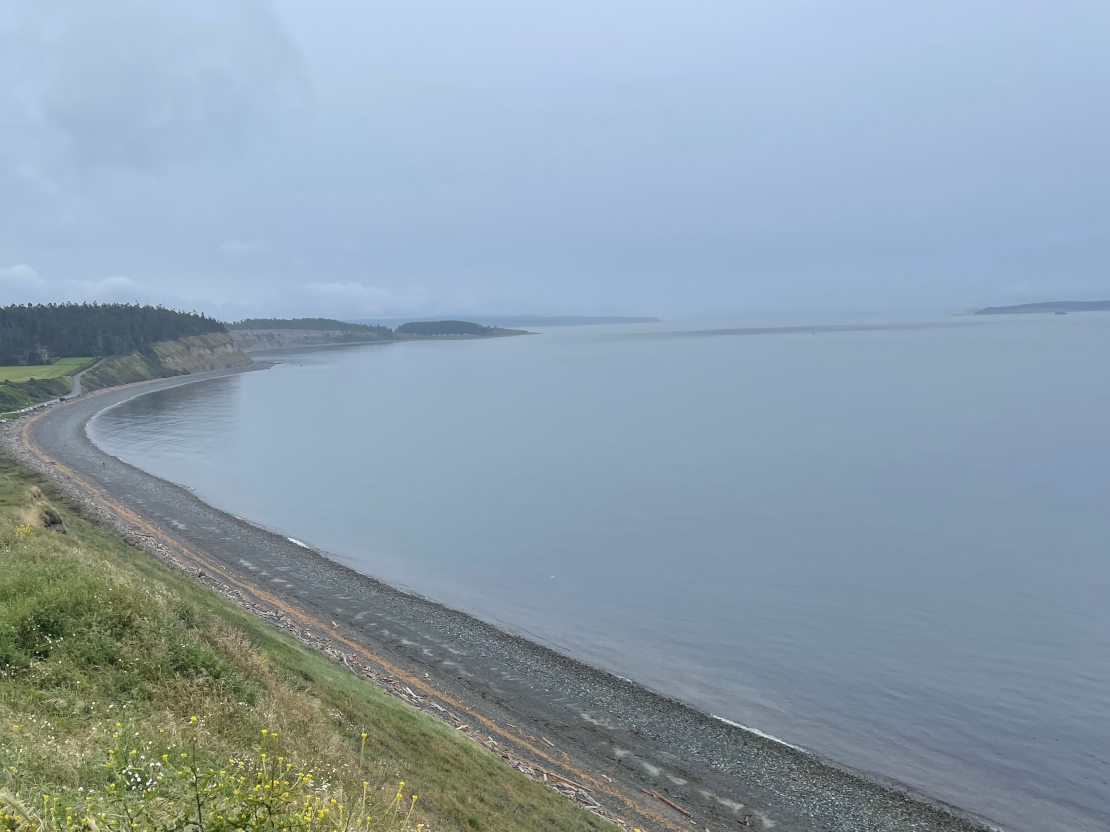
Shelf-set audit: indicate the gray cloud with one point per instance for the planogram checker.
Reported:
(23, 284)
(19, 273)
(647, 157)
(133, 84)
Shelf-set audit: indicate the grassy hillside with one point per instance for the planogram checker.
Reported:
(16, 395)
(135, 698)
(122, 369)
(22, 386)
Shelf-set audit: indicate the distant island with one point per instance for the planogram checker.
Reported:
(510, 321)
(1048, 307)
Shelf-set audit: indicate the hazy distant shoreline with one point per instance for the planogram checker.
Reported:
(525, 320)
(267, 338)
(1057, 307)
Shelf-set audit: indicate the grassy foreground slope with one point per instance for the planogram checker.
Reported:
(133, 697)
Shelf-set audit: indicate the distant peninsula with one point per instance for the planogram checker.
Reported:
(256, 334)
(1048, 307)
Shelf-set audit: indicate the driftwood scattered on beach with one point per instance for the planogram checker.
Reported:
(670, 803)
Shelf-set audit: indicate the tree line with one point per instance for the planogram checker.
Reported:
(430, 328)
(35, 334)
(315, 324)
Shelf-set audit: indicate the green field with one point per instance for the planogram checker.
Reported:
(133, 698)
(61, 367)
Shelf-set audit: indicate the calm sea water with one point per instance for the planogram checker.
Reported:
(891, 546)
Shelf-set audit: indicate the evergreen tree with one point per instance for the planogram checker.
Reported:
(92, 329)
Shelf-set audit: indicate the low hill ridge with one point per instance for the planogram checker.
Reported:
(314, 324)
(430, 329)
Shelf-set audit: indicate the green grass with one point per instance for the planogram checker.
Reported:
(106, 656)
(15, 395)
(61, 367)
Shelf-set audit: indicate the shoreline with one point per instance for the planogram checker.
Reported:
(641, 754)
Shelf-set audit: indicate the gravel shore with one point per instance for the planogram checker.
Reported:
(627, 753)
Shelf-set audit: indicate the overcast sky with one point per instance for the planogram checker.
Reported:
(704, 157)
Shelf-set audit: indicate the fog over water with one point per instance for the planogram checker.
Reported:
(888, 545)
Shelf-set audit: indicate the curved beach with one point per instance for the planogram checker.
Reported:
(648, 760)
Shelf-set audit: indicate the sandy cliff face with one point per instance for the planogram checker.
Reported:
(192, 354)
(198, 353)
(253, 340)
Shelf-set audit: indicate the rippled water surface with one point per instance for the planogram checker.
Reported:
(889, 545)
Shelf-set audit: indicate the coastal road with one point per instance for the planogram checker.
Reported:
(652, 761)
(76, 391)
(76, 378)
(72, 394)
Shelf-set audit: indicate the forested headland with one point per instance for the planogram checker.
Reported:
(132, 343)
(38, 334)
